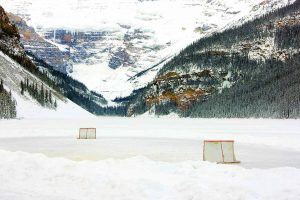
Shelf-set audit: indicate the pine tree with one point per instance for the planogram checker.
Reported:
(22, 88)
(50, 97)
(55, 104)
(7, 103)
(46, 97)
(1, 86)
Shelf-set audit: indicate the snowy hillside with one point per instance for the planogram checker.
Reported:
(246, 71)
(12, 74)
(111, 41)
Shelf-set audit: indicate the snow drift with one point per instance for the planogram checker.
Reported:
(34, 177)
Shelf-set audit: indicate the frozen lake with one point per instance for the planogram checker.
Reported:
(157, 149)
(147, 159)
(259, 143)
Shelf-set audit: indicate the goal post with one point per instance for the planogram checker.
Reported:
(87, 133)
(219, 151)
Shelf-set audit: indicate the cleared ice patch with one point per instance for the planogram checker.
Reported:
(260, 143)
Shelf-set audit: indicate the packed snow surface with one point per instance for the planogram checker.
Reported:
(35, 177)
(147, 158)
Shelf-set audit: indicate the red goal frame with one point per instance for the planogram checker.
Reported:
(222, 151)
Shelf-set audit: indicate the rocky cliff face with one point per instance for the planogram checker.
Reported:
(10, 42)
(49, 52)
(5, 25)
(9, 35)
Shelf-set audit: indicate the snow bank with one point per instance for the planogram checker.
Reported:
(34, 177)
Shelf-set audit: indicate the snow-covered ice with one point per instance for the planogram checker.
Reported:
(147, 158)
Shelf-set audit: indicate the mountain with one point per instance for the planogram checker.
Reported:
(28, 103)
(51, 53)
(114, 47)
(28, 89)
(251, 70)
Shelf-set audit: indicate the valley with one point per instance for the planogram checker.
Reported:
(104, 51)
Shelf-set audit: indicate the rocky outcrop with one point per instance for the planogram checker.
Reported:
(10, 42)
(183, 89)
(5, 25)
(41, 48)
(247, 71)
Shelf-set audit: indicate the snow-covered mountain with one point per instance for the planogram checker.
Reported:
(110, 42)
(247, 71)
(27, 107)
(25, 89)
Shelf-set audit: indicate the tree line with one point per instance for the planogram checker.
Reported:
(7, 103)
(76, 91)
(39, 93)
(265, 87)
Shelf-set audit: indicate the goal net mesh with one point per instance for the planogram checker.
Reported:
(87, 133)
(219, 151)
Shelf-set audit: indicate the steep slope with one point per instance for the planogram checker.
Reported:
(117, 46)
(248, 71)
(28, 87)
(27, 106)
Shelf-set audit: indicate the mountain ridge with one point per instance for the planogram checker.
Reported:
(32, 91)
(107, 56)
(209, 78)
(243, 67)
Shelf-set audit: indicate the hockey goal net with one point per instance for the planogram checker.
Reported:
(87, 133)
(219, 151)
